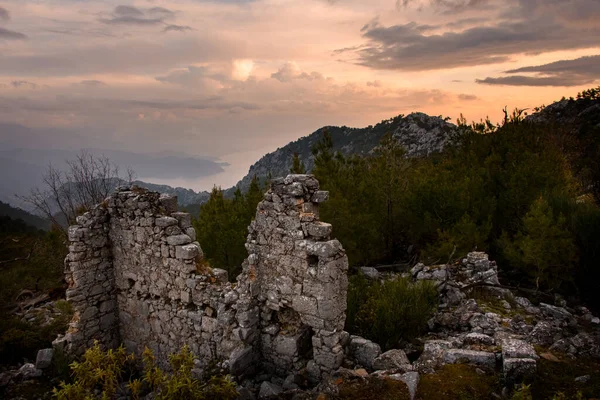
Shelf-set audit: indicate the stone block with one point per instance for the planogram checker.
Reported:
(364, 351)
(286, 345)
(320, 196)
(241, 361)
(515, 348)
(479, 338)
(305, 305)
(178, 240)
(186, 252)
(268, 389)
(319, 230)
(191, 232)
(221, 276)
(44, 358)
(107, 321)
(479, 358)
(392, 359)
(185, 219)
(324, 249)
(168, 202)
(29, 371)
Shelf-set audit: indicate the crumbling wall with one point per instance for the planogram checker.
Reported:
(302, 275)
(89, 273)
(137, 277)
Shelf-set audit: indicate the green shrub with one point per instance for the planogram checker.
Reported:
(101, 372)
(390, 311)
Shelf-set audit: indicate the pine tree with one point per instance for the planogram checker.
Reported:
(545, 248)
(297, 165)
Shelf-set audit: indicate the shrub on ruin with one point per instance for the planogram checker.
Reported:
(100, 374)
(391, 311)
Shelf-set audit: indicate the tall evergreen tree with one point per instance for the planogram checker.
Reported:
(297, 165)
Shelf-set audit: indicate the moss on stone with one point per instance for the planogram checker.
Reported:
(457, 381)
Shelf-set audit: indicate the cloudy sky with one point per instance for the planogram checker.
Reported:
(230, 80)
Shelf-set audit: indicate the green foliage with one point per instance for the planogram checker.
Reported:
(590, 94)
(297, 165)
(180, 384)
(98, 369)
(103, 371)
(478, 194)
(222, 226)
(32, 261)
(545, 248)
(390, 311)
(523, 392)
(365, 197)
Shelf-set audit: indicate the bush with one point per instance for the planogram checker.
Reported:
(391, 311)
(102, 371)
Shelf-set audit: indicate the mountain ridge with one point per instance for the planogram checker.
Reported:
(419, 133)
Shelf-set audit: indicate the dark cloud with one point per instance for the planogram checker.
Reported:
(412, 47)
(589, 65)
(177, 28)
(4, 14)
(444, 6)
(128, 20)
(11, 35)
(467, 97)
(462, 23)
(128, 11)
(581, 71)
(127, 15)
(160, 10)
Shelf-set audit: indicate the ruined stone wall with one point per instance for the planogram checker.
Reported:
(137, 277)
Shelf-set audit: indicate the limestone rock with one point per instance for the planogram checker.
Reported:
(364, 351)
(479, 358)
(29, 371)
(44, 358)
(515, 348)
(268, 389)
(370, 272)
(392, 359)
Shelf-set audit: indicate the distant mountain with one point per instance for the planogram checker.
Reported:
(21, 169)
(420, 134)
(185, 197)
(15, 214)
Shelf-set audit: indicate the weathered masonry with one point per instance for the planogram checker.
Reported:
(136, 276)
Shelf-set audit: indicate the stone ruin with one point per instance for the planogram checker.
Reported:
(137, 276)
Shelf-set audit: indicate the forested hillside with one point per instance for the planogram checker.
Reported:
(526, 191)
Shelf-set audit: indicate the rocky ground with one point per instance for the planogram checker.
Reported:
(481, 332)
(483, 339)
